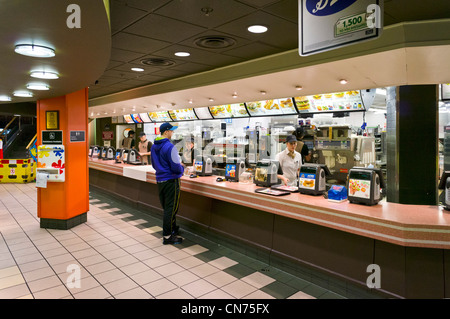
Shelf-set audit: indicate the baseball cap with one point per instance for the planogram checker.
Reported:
(166, 127)
(291, 138)
(142, 134)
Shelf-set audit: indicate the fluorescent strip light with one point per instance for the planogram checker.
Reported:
(37, 86)
(4, 98)
(23, 94)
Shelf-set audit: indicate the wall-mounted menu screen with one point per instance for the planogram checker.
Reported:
(271, 107)
(183, 115)
(228, 110)
(161, 116)
(145, 118)
(203, 113)
(128, 119)
(136, 118)
(330, 102)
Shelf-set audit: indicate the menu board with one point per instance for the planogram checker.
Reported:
(183, 115)
(128, 119)
(136, 118)
(145, 117)
(203, 113)
(161, 116)
(271, 107)
(228, 110)
(330, 102)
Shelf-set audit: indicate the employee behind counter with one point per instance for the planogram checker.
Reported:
(144, 148)
(290, 162)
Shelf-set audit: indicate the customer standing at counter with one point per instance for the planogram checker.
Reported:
(144, 148)
(290, 162)
(168, 167)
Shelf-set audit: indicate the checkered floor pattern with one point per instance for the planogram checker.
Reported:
(118, 254)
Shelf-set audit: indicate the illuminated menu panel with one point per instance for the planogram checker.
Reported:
(145, 117)
(182, 115)
(136, 118)
(161, 116)
(271, 107)
(229, 110)
(330, 102)
(203, 113)
(128, 119)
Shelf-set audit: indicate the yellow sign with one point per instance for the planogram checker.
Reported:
(52, 120)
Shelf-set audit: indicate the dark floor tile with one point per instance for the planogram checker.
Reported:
(239, 271)
(279, 290)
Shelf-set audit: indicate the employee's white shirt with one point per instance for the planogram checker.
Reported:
(289, 165)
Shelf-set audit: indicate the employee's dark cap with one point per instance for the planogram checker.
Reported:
(141, 134)
(167, 127)
(299, 131)
(291, 138)
(131, 132)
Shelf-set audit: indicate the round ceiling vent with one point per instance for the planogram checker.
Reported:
(157, 62)
(215, 42)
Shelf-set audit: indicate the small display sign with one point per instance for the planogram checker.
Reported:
(52, 120)
(52, 137)
(78, 136)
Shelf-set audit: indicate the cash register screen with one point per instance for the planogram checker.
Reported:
(361, 175)
(230, 170)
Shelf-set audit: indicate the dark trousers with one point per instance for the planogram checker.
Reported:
(169, 196)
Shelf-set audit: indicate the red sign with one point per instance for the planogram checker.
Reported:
(107, 135)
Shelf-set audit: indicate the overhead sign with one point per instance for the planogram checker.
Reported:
(326, 25)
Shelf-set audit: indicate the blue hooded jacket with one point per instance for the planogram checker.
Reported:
(165, 160)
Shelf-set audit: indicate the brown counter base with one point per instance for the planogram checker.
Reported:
(299, 247)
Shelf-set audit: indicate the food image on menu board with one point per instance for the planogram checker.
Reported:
(136, 118)
(128, 118)
(160, 116)
(183, 114)
(271, 107)
(330, 102)
(228, 110)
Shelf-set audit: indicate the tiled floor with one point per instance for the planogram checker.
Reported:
(118, 253)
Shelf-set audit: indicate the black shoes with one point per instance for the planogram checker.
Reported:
(172, 240)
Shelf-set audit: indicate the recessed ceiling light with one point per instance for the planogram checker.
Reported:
(298, 88)
(34, 50)
(343, 81)
(182, 54)
(211, 99)
(263, 92)
(234, 95)
(23, 94)
(44, 75)
(5, 98)
(257, 29)
(190, 102)
(37, 86)
(137, 69)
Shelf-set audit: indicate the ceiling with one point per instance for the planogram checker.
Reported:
(80, 53)
(154, 30)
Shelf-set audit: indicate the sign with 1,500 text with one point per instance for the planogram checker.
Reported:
(326, 25)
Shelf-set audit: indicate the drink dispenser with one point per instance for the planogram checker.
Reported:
(51, 163)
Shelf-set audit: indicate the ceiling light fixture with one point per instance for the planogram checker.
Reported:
(38, 86)
(182, 54)
(343, 81)
(234, 95)
(5, 98)
(298, 88)
(211, 99)
(263, 92)
(33, 50)
(44, 75)
(137, 69)
(257, 28)
(23, 94)
(190, 101)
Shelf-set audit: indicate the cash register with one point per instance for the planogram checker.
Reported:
(364, 185)
(312, 179)
(119, 155)
(266, 173)
(234, 169)
(444, 184)
(203, 165)
(94, 151)
(108, 153)
(134, 158)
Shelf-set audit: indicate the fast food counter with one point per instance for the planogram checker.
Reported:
(409, 242)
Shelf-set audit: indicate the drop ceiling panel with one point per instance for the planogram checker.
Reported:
(162, 28)
(191, 11)
(132, 42)
(259, 3)
(285, 9)
(124, 55)
(238, 41)
(123, 16)
(146, 5)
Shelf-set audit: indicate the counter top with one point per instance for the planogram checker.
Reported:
(406, 225)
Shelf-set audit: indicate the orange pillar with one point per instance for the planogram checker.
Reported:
(63, 205)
